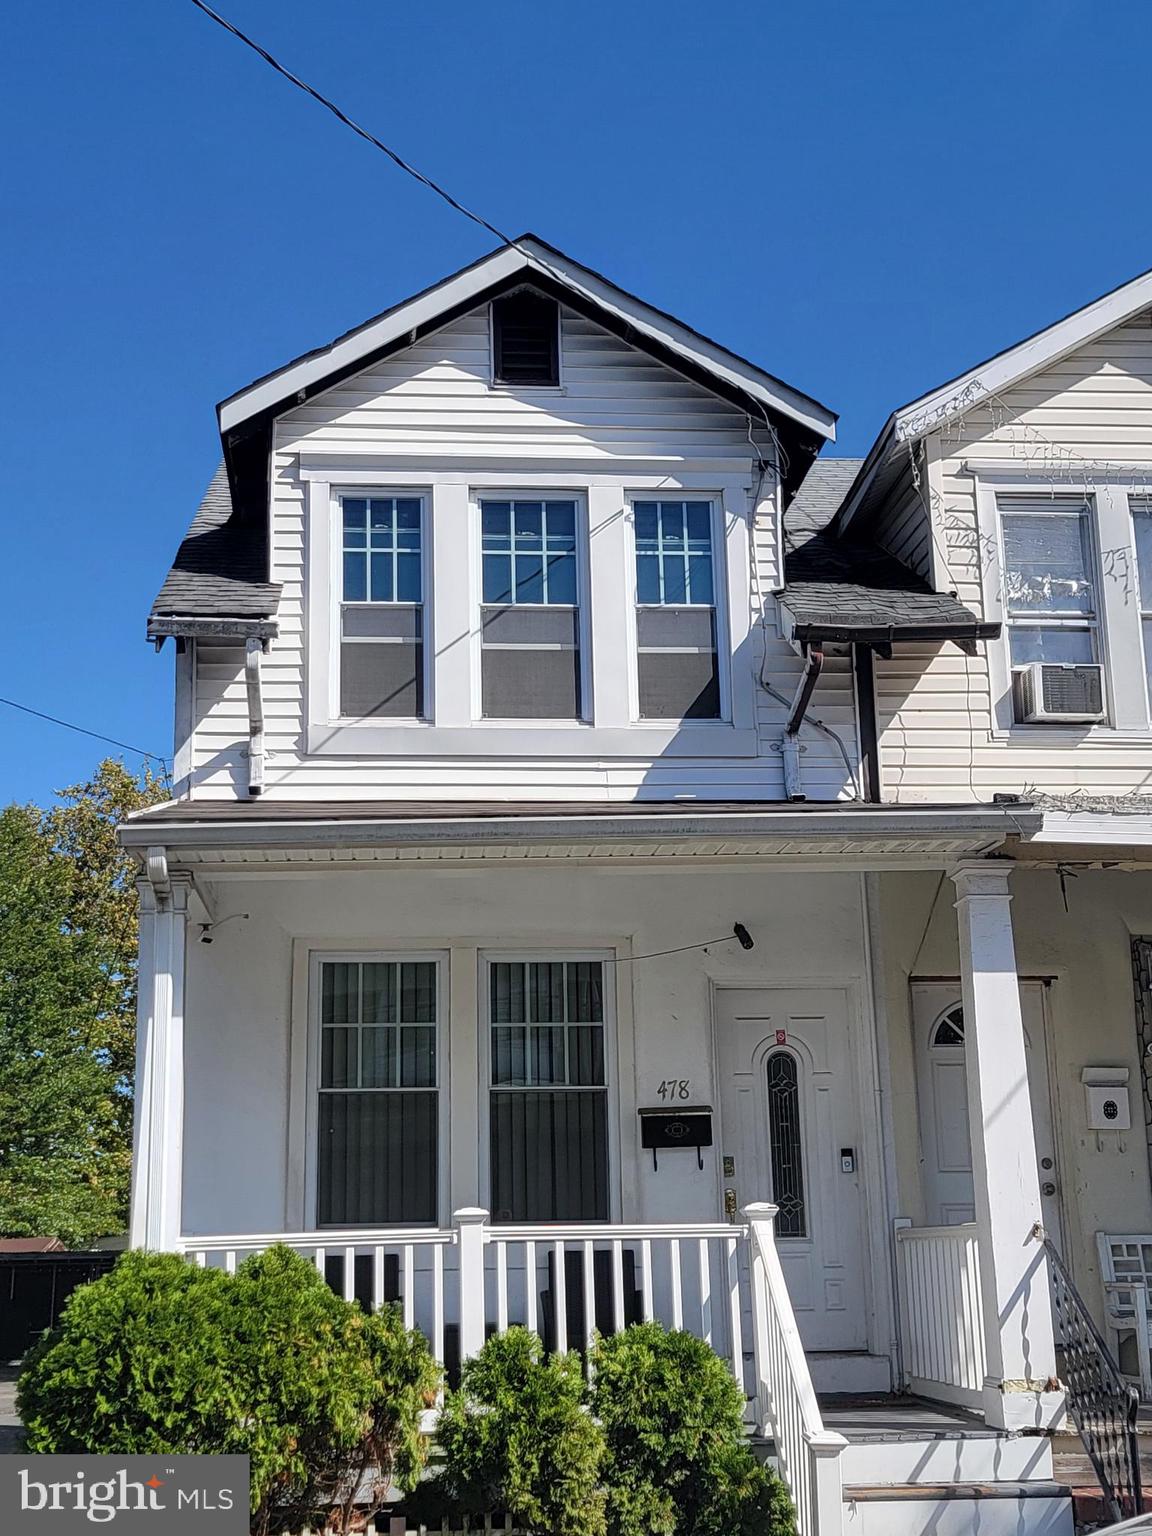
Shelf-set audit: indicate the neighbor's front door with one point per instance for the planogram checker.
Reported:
(791, 1134)
(941, 1086)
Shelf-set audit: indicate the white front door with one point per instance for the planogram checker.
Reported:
(945, 1143)
(791, 1134)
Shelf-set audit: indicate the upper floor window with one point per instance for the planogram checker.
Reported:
(1141, 507)
(530, 610)
(677, 662)
(382, 607)
(525, 339)
(1049, 580)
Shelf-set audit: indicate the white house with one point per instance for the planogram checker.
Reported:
(588, 891)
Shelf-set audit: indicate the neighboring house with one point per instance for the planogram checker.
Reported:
(602, 813)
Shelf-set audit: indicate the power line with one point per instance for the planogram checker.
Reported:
(84, 731)
(337, 112)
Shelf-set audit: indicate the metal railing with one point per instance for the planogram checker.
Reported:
(1101, 1403)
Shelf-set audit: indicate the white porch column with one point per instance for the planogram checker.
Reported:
(159, 1118)
(1016, 1302)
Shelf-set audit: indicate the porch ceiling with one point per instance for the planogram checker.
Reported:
(270, 832)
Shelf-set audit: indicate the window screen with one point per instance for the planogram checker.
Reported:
(382, 612)
(548, 1097)
(525, 339)
(530, 616)
(1049, 585)
(378, 1103)
(677, 662)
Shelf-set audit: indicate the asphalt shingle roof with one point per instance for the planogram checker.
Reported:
(221, 568)
(845, 589)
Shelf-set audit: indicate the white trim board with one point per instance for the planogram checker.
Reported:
(526, 255)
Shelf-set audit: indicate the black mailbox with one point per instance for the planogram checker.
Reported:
(665, 1129)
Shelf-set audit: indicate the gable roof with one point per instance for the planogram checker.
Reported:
(951, 399)
(838, 589)
(221, 568)
(526, 257)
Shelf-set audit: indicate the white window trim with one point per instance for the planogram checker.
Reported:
(587, 714)
(721, 607)
(451, 620)
(336, 606)
(1117, 618)
(311, 1076)
(608, 959)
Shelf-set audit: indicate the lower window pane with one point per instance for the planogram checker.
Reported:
(678, 685)
(378, 1158)
(524, 684)
(1055, 644)
(382, 679)
(549, 1156)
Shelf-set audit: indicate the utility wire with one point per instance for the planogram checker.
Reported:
(84, 731)
(397, 160)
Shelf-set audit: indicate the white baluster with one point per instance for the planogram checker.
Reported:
(674, 1277)
(438, 1302)
(646, 1279)
(617, 1285)
(408, 1296)
(589, 1295)
(530, 1287)
(501, 1249)
(349, 1274)
(230, 1261)
(560, 1297)
(704, 1261)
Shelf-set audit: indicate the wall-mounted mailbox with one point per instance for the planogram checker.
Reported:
(1106, 1090)
(666, 1129)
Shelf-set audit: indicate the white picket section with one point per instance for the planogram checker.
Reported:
(938, 1270)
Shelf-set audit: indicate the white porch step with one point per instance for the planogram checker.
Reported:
(950, 1509)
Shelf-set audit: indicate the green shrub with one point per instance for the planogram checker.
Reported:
(678, 1462)
(517, 1437)
(268, 1363)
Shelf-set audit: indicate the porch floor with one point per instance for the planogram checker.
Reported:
(887, 1418)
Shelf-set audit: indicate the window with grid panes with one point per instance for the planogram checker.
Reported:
(530, 612)
(677, 661)
(548, 1096)
(1141, 509)
(378, 1111)
(382, 607)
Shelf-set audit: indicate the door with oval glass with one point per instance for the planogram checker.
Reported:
(791, 1134)
(945, 1143)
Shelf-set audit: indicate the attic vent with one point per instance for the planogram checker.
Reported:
(525, 339)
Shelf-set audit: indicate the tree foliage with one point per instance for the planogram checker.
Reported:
(269, 1363)
(67, 1009)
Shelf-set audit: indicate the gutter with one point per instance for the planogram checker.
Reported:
(190, 627)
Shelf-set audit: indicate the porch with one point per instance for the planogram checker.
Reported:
(534, 966)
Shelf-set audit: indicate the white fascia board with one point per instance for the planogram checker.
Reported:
(528, 256)
(1096, 828)
(934, 410)
(986, 828)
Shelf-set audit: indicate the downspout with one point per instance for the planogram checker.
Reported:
(790, 747)
(253, 650)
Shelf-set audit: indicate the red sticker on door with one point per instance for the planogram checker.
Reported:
(781, 1037)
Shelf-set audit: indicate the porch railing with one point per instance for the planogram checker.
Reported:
(722, 1282)
(942, 1326)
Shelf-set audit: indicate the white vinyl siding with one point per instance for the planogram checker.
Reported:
(1083, 425)
(428, 417)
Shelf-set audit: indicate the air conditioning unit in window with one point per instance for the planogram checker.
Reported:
(1047, 691)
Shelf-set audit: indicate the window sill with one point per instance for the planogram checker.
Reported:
(1020, 735)
(422, 738)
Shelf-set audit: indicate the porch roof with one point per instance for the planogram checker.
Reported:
(328, 831)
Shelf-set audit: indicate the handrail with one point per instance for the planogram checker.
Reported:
(321, 1237)
(1101, 1404)
(808, 1454)
(602, 1231)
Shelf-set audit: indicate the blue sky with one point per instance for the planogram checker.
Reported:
(864, 198)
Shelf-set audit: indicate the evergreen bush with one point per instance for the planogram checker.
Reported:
(517, 1437)
(269, 1363)
(677, 1458)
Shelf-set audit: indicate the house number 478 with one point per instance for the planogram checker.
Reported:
(674, 1088)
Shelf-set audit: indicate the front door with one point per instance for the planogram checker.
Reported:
(791, 1134)
(945, 1143)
